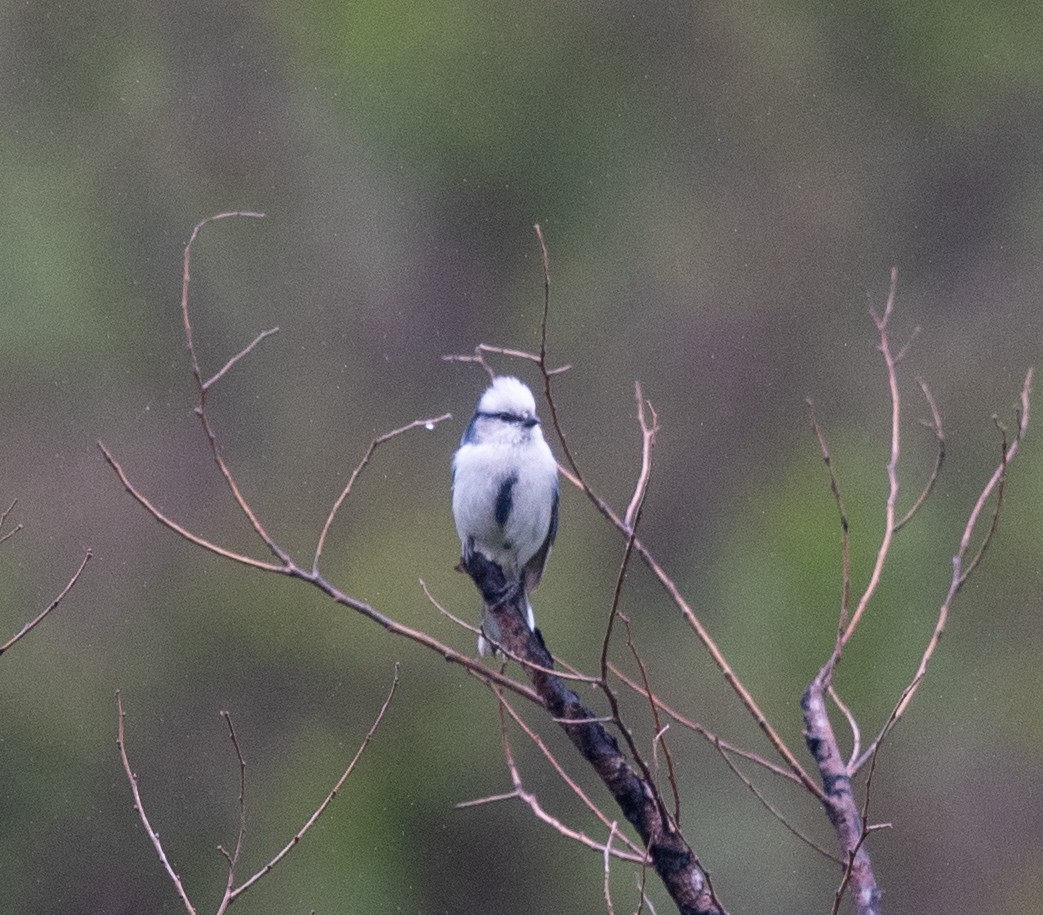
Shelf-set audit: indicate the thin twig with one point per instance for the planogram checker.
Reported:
(140, 808)
(233, 859)
(608, 870)
(960, 572)
(774, 811)
(572, 785)
(243, 352)
(631, 519)
(183, 532)
(428, 424)
(648, 431)
(845, 537)
(33, 623)
(242, 888)
(203, 386)
(546, 294)
(534, 805)
(659, 726)
(186, 276)
(852, 722)
(882, 321)
(935, 425)
(3, 518)
(703, 731)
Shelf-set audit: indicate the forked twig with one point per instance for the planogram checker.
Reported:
(3, 518)
(233, 858)
(882, 321)
(635, 855)
(960, 570)
(204, 386)
(935, 425)
(233, 892)
(289, 846)
(648, 433)
(702, 730)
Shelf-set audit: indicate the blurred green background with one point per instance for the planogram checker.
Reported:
(724, 189)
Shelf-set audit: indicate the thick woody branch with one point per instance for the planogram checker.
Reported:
(840, 803)
(637, 797)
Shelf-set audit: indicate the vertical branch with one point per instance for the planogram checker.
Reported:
(881, 321)
(546, 294)
(845, 537)
(935, 425)
(204, 386)
(140, 808)
(233, 858)
(633, 517)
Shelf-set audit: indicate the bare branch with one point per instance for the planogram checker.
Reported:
(960, 572)
(33, 623)
(292, 570)
(233, 858)
(882, 322)
(3, 518)
(183, 532)
(140, 808)
(243, 352)
(845, 537)
(840, 805)
(935, 425)
(573, 474)
(637, 852)
(774, 811)
(702, 730)
(428, 424)
(638, 797)
(648, 431)
(239, 890)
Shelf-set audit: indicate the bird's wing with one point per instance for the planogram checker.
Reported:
(533, 571)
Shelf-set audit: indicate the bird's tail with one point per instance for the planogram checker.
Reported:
(491, 629)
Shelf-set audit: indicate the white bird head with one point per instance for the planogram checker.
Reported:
(506, 414)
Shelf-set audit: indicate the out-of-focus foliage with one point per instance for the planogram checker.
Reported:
(724, 191)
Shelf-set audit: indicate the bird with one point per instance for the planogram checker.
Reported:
(505, 491)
